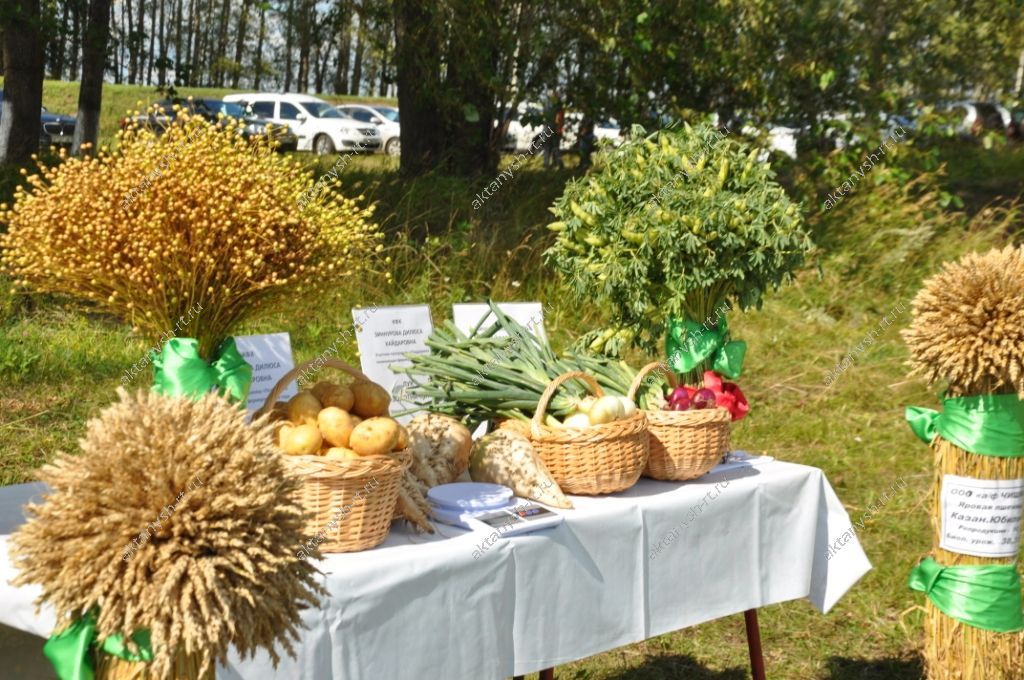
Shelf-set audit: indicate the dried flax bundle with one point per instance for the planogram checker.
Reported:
(968, 332)
(177, 518)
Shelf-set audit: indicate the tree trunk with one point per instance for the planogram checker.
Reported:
(161, 73)
(115, 29)
(76, 32)
(140, 40)
(58, 46)
(193, 42)
(243, 21)
(152, 39)
(24, 67)
(222, 43)
(357, 65)
(129, 39)
(90, 94)
(178, 11)
(289, 34)
(259, 47)
(473, 57)
(345, 42)
(418, 63)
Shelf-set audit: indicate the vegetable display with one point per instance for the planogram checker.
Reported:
(501, 371)
(678, 224)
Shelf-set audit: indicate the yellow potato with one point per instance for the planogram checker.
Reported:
(339, 397)
(321, 389)
(370, 399)
(403, 439)
(374, 437)
(303, 408)
(335, 425)
(303, 440)
(355, 419)
(283, 430)
(340, 453)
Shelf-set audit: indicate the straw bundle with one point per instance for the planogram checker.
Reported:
(968, 331)
(177, 518)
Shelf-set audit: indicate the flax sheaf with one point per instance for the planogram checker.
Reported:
(219, 572)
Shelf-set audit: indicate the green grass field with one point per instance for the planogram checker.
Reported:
(59, 365)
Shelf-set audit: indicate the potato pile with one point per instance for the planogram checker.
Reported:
(339, 422)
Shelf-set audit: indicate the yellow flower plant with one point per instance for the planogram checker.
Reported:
(196, 216)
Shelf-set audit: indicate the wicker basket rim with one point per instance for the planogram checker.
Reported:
(318, 467)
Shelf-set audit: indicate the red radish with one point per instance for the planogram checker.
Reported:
(713, 381)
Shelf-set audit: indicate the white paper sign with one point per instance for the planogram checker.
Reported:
(981, 517)
(466, 316)
(270, 357)
(384, 338)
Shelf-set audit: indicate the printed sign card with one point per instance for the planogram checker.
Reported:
(384, 338)
(467, 315)
(981, 517)
(270, 357)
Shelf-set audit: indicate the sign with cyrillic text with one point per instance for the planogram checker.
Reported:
(270, 356)
(383, 339)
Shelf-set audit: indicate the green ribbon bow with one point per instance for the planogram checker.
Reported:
(985, 596)
(180, 371)
(988, 424)
(689, 344)
(71, 650)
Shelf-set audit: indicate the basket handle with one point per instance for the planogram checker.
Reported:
(670, 377)
(549, 392)
(294, 373)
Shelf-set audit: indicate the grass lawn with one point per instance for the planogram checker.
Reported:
(59, 365)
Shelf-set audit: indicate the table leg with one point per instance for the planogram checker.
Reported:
(547, 674)
(754, 644)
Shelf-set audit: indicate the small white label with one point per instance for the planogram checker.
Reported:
(384, 338)
(469, 315)
(270, 357)
(981, 517)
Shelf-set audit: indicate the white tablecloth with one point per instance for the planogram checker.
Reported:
(420, 606)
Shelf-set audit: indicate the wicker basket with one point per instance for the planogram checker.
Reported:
(350, 503)
(684, 444)
(597, 460)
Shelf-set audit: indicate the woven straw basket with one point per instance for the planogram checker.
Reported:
(596, 460)
(350, 503)
(684, 444)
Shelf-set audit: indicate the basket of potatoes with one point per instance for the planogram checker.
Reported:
(349, 454)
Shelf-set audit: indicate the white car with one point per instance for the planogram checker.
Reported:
(318, 125)
(386, 120)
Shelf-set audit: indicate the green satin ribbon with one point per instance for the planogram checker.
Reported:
(689, 344)
(988, 424)
(180, 371)
(71, 650)
(985, 596)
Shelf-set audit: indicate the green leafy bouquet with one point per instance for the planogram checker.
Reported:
(677, 227)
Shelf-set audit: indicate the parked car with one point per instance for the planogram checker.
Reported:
(386, 120)
(524, 125)
(977, 118)
(216, 111)
(320, 127)
(54, 129)
(608, 132)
